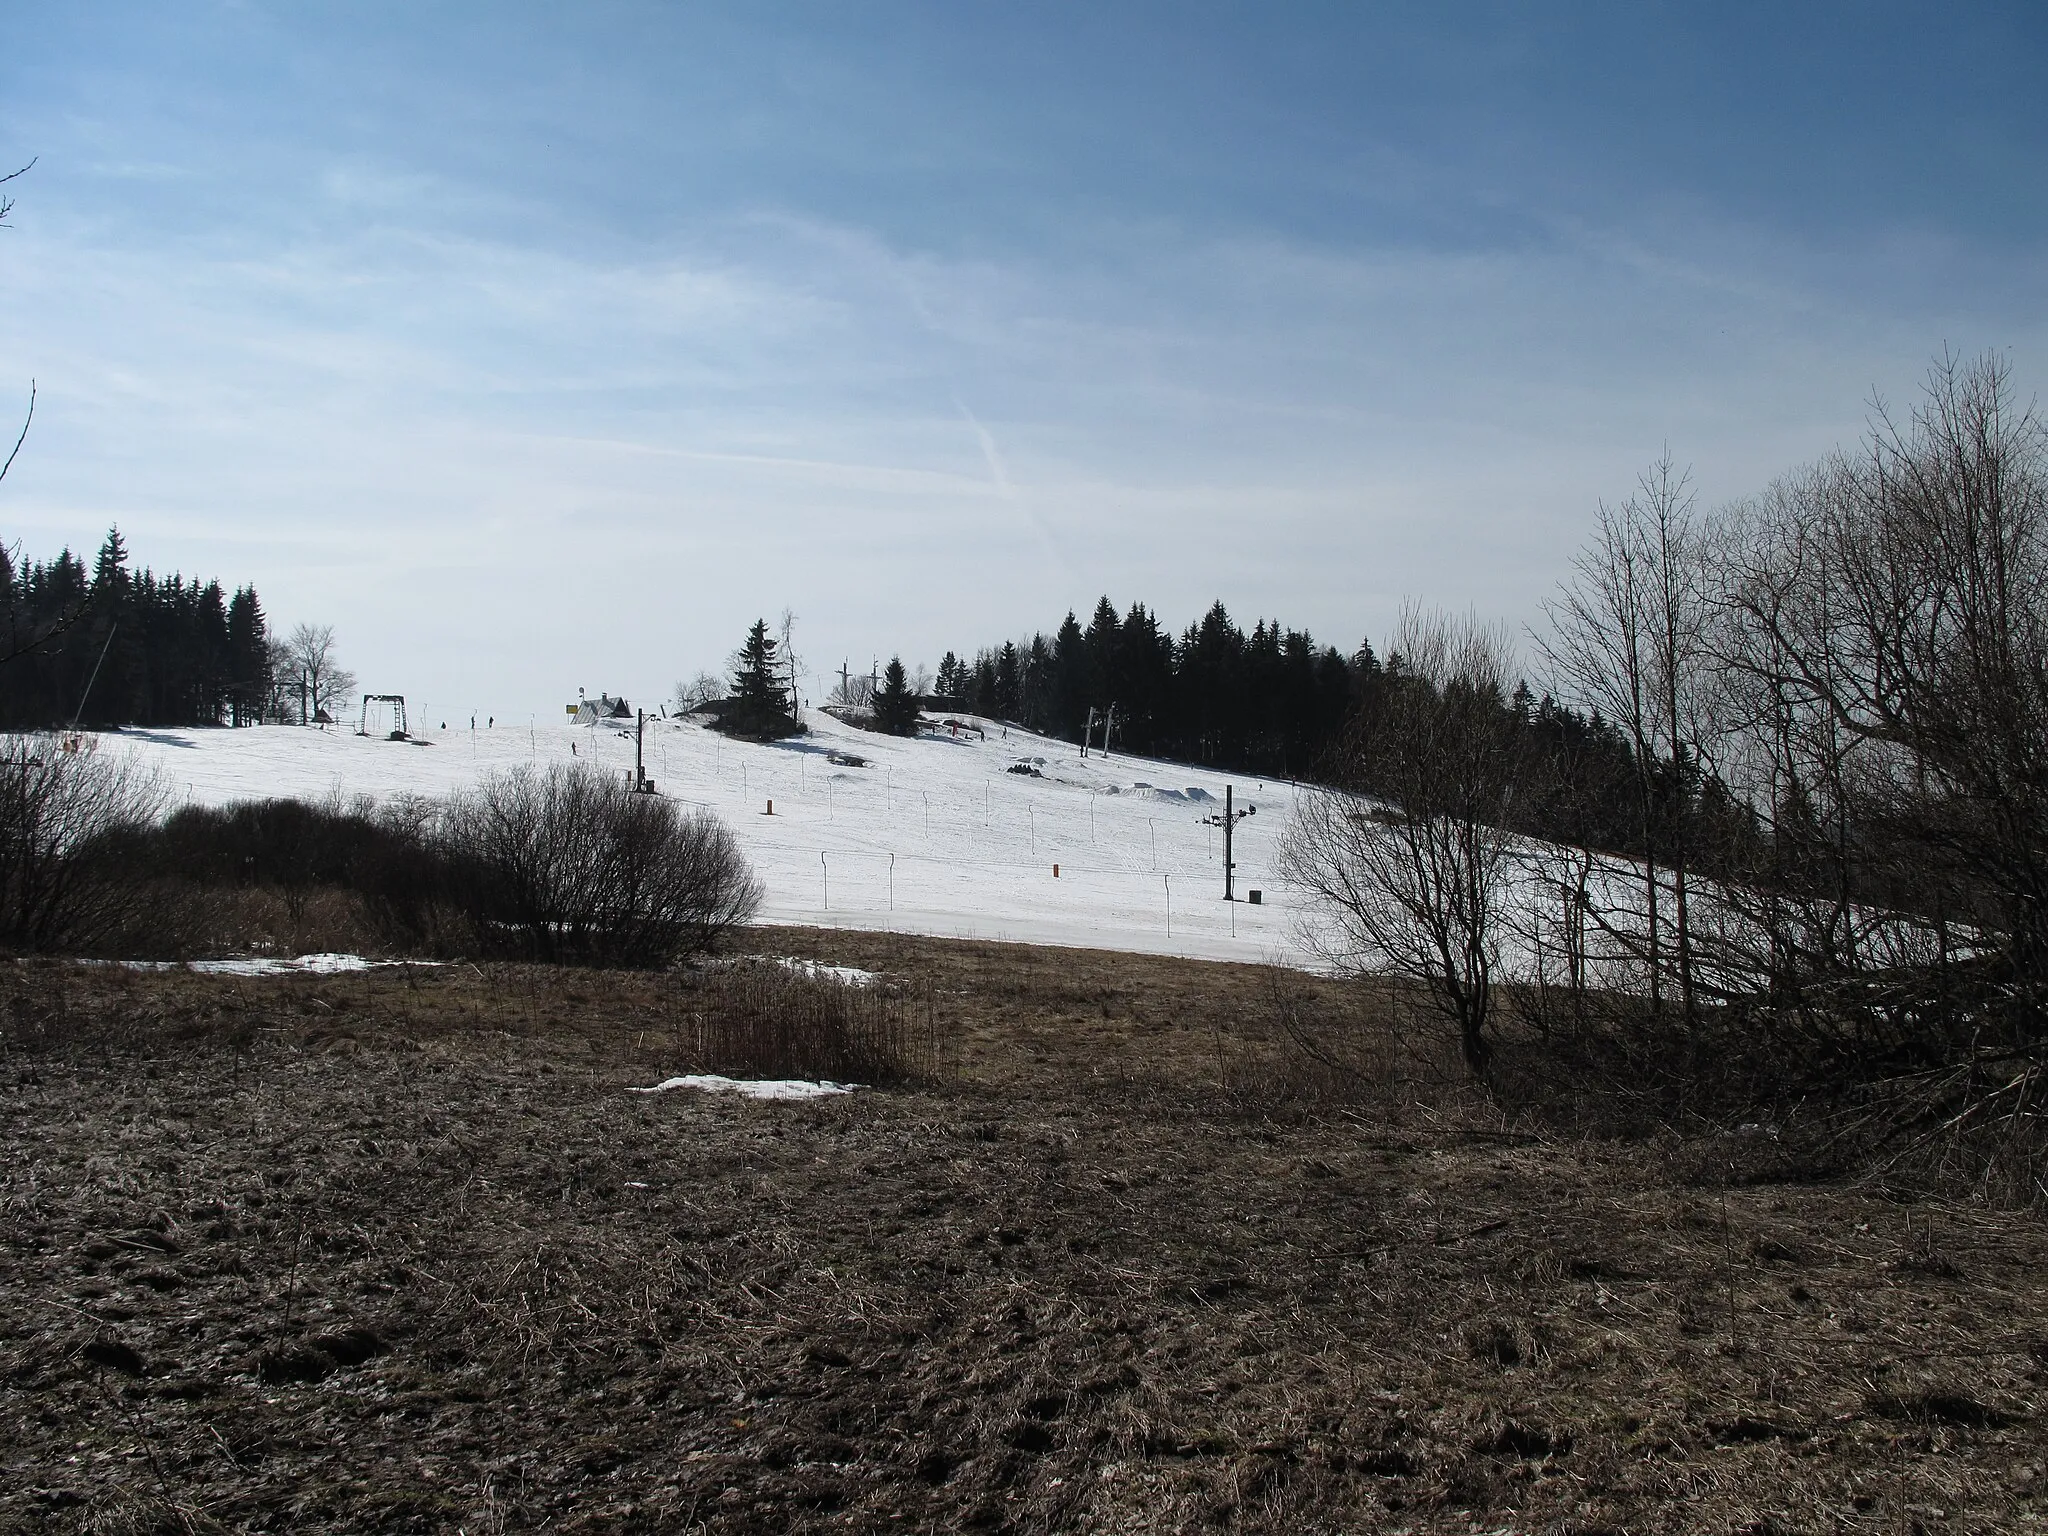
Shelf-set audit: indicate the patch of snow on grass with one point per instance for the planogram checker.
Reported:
(817, 970)
(751, 1088)
(810, 970)
(264, 965)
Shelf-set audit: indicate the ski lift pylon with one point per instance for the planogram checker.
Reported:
(397, 703)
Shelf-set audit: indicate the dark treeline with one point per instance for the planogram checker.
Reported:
(1268, 702)
(1275, 703)
(1580, 779)
(112, 646)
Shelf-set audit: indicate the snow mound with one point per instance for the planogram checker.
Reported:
(817, 970)
(810, 970)
(1194, 794)
(751, 1088)
(265, 965)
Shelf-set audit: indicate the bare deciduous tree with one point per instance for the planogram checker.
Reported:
(320, 681)
(282, 700)
(21, 437)
(1889, 624)
(854, 692)
(1406, 854)
(1628, 638)
(701, 689)
(791, 668)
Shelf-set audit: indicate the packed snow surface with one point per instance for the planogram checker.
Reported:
(976, 830)
(934, 835)
(751, 1088)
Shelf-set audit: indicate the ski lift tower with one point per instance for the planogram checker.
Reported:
(642, 785)
(396, 705)
(1228, 821)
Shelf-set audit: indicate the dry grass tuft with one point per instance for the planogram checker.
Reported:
(757, 1018)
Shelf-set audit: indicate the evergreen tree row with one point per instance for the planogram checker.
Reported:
(111, 646)
(1269, 702)
(1275, 703)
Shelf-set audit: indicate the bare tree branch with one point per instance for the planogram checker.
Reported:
(7, 203)
(22, 436)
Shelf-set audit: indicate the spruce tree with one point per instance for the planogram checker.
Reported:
(759, 708)
(1035, 685)
(1070, 678)
(1103, 648)
(983, 684)
(1008, 683)
(248, 657)
(896, 705)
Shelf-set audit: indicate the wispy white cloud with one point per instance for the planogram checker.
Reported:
(492, 434)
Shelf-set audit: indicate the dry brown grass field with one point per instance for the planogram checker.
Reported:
(397, 1251)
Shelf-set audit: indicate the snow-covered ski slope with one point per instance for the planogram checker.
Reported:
(934, 836)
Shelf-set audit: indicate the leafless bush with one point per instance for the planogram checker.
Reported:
(291, 847)
(1412, 876)
(763, 1020)
(571, 864)
(404, 879)
(288, 873)
(68, 813)
(563, 865)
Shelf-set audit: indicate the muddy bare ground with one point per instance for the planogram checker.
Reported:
(398, 1251)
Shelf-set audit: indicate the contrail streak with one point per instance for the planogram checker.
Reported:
(1008, 490)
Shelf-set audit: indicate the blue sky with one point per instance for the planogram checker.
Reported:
(536, 347)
